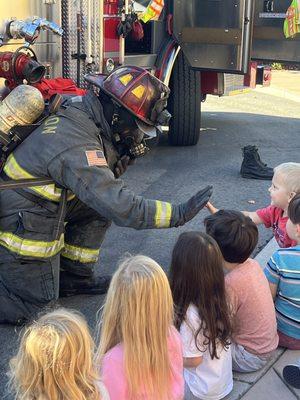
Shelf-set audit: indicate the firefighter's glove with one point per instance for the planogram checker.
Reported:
(125, 25)
(122, 165)
(188, 210)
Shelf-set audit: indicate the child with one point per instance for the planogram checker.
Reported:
(198, 288)
(285, 183)
(55, 360)
(140, 352)
(254, 333)
(283, 274)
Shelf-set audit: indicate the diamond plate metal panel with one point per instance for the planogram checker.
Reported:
(214, 35)
(70, 9)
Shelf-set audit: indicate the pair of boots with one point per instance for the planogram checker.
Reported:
(252, 165)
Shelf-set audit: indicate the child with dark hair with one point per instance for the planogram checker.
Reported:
(202, 316)
(254, 333)
(283, 274)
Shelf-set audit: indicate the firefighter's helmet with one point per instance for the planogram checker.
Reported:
(141, 93)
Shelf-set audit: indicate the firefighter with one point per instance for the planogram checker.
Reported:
(50, 236)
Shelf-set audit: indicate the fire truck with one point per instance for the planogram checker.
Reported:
(197, 47)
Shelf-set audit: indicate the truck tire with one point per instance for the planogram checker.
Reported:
(184, 104)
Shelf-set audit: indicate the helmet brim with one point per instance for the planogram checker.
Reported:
(95, 79)
(148, 130)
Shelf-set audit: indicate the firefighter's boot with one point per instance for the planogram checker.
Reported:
(252, 165)
(71, 285)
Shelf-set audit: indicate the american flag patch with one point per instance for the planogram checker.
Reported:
(95, 157)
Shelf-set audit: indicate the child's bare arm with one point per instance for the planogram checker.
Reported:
(254, 216)
(211, 208)
(192, 362)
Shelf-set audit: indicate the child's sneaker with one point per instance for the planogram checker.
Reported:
(291, 374)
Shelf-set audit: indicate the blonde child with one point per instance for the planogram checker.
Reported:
(285, 183)
(55, 360)
(140, 351)
(202, 316)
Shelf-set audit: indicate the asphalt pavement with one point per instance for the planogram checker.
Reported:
(174, 174)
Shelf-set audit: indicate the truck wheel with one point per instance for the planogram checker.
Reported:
(184, 104)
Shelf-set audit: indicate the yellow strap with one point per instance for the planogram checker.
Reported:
(13, 169)
(31, 248)
(163, 214)
(81, 254)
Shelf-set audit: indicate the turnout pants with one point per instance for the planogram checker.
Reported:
(27, 284)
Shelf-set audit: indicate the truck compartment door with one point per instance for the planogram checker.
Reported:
(269, 42)
(214, 34)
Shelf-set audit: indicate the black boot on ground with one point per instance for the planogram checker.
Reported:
(252, 165)
(71, 285)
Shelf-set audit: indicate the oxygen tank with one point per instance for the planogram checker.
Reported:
(22, 106)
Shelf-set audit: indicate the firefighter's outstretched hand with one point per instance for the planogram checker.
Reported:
(122, 165)
(191, 208)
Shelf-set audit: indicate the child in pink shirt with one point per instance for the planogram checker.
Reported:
(285, 184)
(140, 352)
(254, 321)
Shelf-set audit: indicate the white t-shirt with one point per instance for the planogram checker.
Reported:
(103, 391)
(212, 379)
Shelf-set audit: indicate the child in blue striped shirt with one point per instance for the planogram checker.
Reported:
(283, 274)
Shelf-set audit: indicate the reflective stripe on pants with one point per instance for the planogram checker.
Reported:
(31, 248)
(81, 254)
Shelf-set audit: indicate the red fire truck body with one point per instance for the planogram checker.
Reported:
(197, 47)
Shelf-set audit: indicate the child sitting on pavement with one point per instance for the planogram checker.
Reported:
(285, 183)
(55, 360)
(140, 351)
(254, 322)
(202, 316)
(283, 274)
